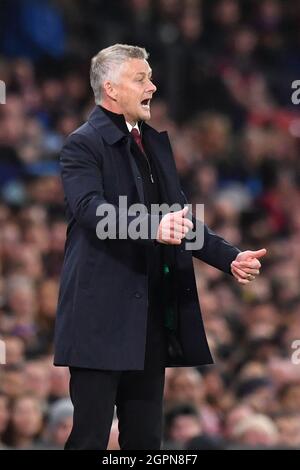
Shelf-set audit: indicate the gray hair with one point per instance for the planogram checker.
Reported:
(107, 63)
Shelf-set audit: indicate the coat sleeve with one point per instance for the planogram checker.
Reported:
(215, 251)
(82, 180)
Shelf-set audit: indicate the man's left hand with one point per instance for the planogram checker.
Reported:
(246, 265)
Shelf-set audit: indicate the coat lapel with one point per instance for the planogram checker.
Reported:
(112, 134)
(159, 145)
(136, 173)
(160, 148)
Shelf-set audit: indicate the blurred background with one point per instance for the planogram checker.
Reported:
(224, 70)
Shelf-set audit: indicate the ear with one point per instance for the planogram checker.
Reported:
(110, 90)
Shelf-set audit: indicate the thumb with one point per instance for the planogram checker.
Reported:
(185, 210)
(258, 253)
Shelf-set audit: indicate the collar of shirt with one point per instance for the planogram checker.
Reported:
(130, 127)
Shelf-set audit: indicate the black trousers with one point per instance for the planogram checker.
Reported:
(138, 396)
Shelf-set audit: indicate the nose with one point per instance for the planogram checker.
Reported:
(152, 88)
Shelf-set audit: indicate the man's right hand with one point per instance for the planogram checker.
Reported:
(173, 227)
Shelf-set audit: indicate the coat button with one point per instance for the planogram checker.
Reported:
(137, 295)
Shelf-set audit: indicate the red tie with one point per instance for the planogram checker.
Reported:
(137, 137)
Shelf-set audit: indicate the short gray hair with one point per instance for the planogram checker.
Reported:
(106, 64)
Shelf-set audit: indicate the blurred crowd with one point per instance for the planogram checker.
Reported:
(224, 70)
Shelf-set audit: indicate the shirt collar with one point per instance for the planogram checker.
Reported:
(130, 127)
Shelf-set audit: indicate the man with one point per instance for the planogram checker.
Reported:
(128, 306)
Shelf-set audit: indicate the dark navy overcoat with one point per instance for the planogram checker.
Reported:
(103, 298)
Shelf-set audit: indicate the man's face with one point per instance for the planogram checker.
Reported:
(134, 90)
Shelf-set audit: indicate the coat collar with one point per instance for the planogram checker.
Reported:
(108, 128)
(158, 143)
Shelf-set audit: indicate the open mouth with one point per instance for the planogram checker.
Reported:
(146, 103)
